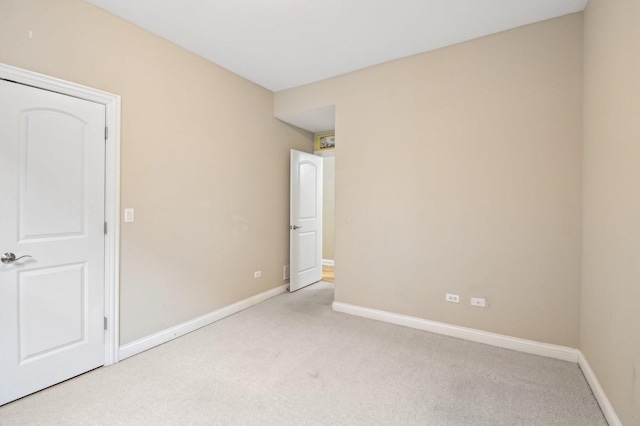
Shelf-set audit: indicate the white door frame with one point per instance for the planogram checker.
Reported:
(112, 188)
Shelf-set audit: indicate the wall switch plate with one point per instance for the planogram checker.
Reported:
(454, 298)
(257, 274)
(129, 215)
(476, 301)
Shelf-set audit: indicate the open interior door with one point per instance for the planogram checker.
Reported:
(305, 229)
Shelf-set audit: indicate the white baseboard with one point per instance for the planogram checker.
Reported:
(328, 262)
(164, 336)
(598, 392)
(522, 345)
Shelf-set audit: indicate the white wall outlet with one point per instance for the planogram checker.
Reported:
(129, 215)
(452, 298)
(257, 274)
(476, 301)
(285, 272)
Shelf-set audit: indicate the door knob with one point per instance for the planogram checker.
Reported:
(294, 227)
(10, 257)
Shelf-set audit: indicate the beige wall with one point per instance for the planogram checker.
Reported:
(469, 182)
(204, 163)
(328, 206)
(610, 320)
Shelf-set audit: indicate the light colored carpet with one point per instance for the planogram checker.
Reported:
(293, 361)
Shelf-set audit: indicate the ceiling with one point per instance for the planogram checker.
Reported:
(280, 44)
(315, 120)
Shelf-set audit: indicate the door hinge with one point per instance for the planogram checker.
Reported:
(105, 228)
(106, 133)
(105, 323)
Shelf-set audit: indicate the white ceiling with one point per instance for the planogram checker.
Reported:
(314, 120)
(280, 44)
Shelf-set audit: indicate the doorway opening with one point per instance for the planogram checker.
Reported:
(328, 204)
(321, 121)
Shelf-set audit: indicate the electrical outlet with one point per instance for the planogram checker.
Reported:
(285, 272)
(476, 301)
(454, 298)
(257, 274)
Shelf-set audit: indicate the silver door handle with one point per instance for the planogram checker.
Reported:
(10, 257)
(294, 227)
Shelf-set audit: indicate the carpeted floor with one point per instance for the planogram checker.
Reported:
(293, 361)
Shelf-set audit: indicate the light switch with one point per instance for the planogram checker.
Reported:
(129, 215)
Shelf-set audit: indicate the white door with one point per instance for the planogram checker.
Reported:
(52, 150)
(305, 228)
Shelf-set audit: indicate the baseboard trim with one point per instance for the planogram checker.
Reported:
(522, 345)
(171, 333)
(598, 392)
(328, 262)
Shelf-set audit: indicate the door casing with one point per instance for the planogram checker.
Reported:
(112, 187)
